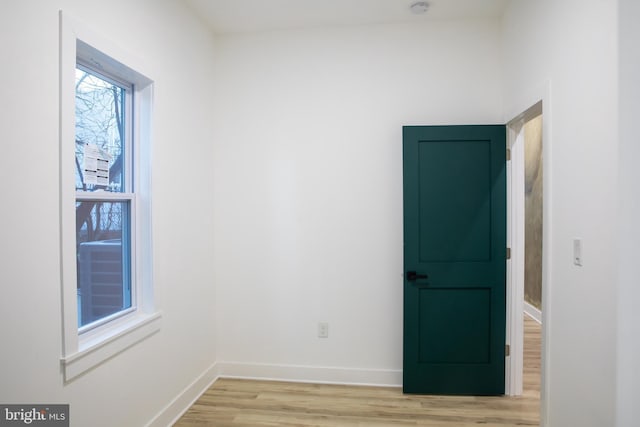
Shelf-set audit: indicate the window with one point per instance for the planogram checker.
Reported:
(104, 196)
(105, 123)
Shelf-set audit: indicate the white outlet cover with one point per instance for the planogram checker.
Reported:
(323, 330)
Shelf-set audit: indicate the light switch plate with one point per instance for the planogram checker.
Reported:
(577, 252)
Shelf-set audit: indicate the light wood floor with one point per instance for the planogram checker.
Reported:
(236, 403)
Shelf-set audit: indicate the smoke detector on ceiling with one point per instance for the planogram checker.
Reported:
(419, 7)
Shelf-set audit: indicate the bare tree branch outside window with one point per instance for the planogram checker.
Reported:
(99, 121)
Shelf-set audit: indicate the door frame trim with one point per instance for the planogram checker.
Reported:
(527, 107)
(515, 266)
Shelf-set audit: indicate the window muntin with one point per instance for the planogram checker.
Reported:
(104, 198)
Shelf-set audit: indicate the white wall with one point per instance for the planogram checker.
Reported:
(134, 386)
(566, 51)
(629, 208)
(294, 205)
(308, 186)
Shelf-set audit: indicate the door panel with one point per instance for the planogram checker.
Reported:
(459, 229)
(468, 325)
(455, 242)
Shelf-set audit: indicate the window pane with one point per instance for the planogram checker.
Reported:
(103, 253)
(100, 133)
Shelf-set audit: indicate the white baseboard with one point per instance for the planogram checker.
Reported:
(259, 371)
(181, 403)
(533, 312)
(311, 374)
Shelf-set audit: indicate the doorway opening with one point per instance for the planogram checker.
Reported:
(526, 268)
(533, 223)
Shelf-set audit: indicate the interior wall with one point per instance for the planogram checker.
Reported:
(306, 174)
(628, 391)
(308, 186)
(533, 203)
(132, 387)
(566, 53)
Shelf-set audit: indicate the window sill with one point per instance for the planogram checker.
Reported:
(95, 348)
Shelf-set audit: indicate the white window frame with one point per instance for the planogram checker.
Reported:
(86, 348)
(129, 191)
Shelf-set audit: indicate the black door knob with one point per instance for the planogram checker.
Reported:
(412, 276)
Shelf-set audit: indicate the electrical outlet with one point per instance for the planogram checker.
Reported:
(323, 330)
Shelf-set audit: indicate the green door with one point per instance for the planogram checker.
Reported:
(454, 259)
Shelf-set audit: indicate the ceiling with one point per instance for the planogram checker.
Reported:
(237, 16)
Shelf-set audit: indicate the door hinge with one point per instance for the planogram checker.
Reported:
(508, 253)
(507, 350)
(508, 154)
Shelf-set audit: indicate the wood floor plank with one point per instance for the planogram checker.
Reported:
(240, 403)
